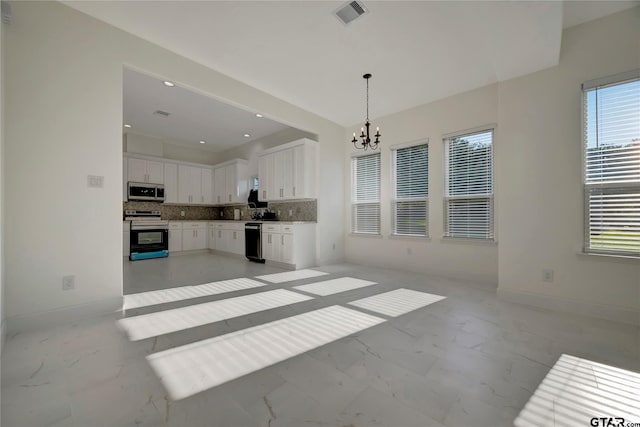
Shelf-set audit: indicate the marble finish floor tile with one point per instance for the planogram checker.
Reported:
(398, 302)
(193, 368)
(177, 319)
(163, 296)
(290, 276)
(334, 286)
(469, 360)
(577, 390)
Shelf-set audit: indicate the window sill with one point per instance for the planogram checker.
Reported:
(368, 236)
(414, 238)
(465, 241)
(610, 257)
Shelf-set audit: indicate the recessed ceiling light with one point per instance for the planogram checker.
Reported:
(259, 115)
(168, 83)
(203, 142)
(246, 135)
(127, 125)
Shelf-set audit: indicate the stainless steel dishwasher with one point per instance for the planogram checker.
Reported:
(253, 241)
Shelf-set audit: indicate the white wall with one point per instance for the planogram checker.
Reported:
(541, 209)
(2, 205)
(469, 261)
(150, 146)
(538, 187)
(64, 121)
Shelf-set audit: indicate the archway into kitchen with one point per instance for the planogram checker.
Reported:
(195, 171)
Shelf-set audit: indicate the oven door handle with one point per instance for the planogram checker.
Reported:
(148, 228)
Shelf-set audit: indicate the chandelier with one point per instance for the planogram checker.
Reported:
(365, 140)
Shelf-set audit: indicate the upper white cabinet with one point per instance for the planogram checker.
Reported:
(206, 186)
(141, 170)
(288, 171)
(230, 182)
(194, 185)
(170, 183)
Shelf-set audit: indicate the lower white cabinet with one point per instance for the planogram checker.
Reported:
(211, 236)
(291, 244)
(229, 237)
(194, 236)
(175, 236)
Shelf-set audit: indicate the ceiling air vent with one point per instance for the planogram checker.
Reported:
(350, 11)
(161, 113)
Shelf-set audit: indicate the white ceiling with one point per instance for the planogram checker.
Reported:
(193, 117)
(417, 51)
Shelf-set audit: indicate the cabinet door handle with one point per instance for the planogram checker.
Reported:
(294, 190)
(264, 194)
(229, 197)
(234, 235)
(282, 239)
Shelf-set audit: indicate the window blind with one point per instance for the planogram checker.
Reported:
(411, 190)
(611, 145)
(365, 206)
(469, 186)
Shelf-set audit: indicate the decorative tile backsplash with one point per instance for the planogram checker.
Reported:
(172, 212)
(303, 210)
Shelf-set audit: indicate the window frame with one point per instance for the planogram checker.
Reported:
(353, 202)
(604, 188)
(490, 197)
(394, 199)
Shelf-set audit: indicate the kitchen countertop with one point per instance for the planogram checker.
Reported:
(242, 221)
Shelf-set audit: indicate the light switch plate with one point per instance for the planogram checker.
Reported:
(95, 181)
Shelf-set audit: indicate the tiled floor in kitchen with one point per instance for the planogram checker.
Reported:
(467, 360)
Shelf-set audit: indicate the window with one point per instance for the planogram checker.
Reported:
(469, 186)
(365, 194)
(410, 191)
(611, 159)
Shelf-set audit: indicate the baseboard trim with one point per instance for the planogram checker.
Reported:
(30, 322)
(607, 312)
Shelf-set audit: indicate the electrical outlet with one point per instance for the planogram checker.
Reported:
(547, 276)
(290, 212)
(181, 213)
(221, 213)
(278, 212)
(68, 283)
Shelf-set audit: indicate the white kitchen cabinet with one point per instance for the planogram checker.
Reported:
(219, 184)
(288, 171)
(231, 182)
(271, 246)
(290, 244)
(206, 186)
(195, 185)
(194, 236)
(175, 236)
(141, 170)
(170, 183)
(266, 177)
(229, 237)
(304, 171)
(211, 236)
(283, 170)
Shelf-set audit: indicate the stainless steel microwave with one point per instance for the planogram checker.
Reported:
(145, 192)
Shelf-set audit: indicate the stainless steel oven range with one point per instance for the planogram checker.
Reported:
(149, 235)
